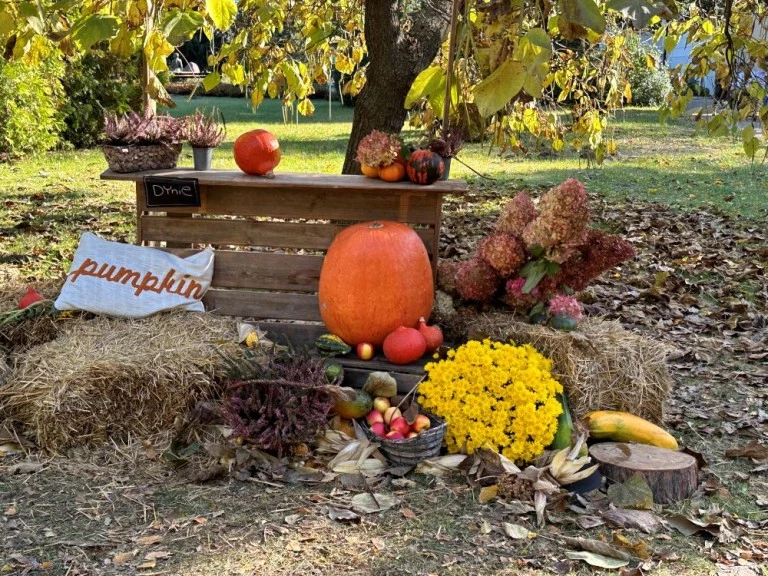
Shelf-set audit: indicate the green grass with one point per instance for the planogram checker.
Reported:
(50, 199)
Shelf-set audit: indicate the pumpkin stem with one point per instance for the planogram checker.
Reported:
(374, 225)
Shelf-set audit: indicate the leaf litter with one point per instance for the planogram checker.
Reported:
(698, 283)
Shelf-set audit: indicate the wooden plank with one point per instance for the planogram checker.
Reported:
(356, 184)
(356, 377)
(263, 270)
(320, 204)
(241, 232)
(268, 305)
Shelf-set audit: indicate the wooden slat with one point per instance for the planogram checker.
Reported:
(263, 270)
(274, 305)
(240, 232)
(356, 184)
(414, 207)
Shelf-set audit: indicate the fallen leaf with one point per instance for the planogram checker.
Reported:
(10, 448)
(147, 565)
(408, 513)
(25, 468)
(200, 520)
(10, 511)
(371, 503)
(642, 520)
(158, 555)
(638, 549)
(598, 547)
(589, 522)
(516, 531)
(378, 543)
(753, 450)
(633, 493)
(123, 558)
(149, 540)
(488, 493)
(342, 515)
(596, 559)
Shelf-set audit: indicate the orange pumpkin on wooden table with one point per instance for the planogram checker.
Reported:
(392, 172)
(257, 152)
(376, 277)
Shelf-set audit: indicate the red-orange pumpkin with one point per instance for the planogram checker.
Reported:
(404, 345)
(375, 277)
(257, 152)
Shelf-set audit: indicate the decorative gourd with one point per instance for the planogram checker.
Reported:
(392, 172)
(354, 408)
(331, 345)
(433, 335)
(257, 152)
(404, 345)
(425, 167)
(625, 427)
(376, 276)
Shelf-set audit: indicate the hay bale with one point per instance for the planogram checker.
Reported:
(600, 365)
(110, 377)
(17, 337)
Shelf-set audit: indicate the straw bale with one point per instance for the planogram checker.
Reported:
(110, 377)
(20, 336)
(601, 365)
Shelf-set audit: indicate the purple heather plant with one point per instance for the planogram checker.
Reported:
(141, 129)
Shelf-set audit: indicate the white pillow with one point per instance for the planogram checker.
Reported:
(133, 281)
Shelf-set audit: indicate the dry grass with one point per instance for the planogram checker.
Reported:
(602, 366)
(107, 377)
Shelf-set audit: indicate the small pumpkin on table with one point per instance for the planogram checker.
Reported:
(380, 156)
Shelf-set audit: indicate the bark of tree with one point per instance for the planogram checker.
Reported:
(396, 56)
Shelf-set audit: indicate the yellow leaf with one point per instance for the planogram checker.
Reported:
(488, 493)
(122, 558)
(306, 108)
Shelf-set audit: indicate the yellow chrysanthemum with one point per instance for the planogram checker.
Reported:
(494, 394)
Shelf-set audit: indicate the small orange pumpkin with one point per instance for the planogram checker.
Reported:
(392, 172)
(376, 276)
(370, 171)
(257, 152)
(432, 334)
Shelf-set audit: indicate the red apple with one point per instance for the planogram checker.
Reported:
(379, 429)
(412, 434)
(381, 404)
(364, 351)
(374, 416)
(391, 413)
(400, 424)
(394, 435)
(421, 423)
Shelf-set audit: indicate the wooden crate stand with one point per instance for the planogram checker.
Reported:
(271, 234)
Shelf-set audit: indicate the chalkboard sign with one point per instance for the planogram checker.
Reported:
(166, 191)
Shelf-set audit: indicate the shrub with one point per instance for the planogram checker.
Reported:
(99, 81)
(30, 96)
(650, 85)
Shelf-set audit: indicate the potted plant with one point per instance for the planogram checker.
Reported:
(135, 142)
(379, 156)
(204, 132)
(447, 144)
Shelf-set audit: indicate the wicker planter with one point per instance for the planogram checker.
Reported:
(412, 450)
(138, 158)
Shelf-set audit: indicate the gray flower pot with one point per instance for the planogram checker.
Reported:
(447, 165)
(202, 157)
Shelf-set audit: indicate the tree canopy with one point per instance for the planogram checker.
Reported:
(525, 72)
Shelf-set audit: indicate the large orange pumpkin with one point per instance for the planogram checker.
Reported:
(257, 152)
(375, 277)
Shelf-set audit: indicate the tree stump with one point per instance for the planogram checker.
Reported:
(671, 475)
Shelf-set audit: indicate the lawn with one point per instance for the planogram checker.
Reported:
(694, 209)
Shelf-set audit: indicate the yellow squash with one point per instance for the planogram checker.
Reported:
(626, 427)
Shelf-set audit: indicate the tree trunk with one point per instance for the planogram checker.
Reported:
(396, 57)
